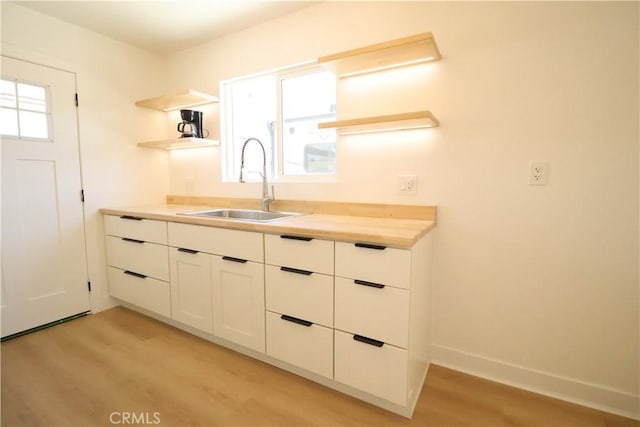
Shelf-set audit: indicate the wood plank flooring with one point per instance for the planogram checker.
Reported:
(85, 371)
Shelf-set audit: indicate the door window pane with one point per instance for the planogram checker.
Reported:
(7, 94)
(306, 101)
(33, 125)
(32, 98)
(8, 122)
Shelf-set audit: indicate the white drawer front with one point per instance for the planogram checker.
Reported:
(382, 314)
(148, 293)
(309, 347)
(389, 266)
(308, 297)
(303, 253)
(218, 241)
(147, 230)
(381, 371)
(140, 257)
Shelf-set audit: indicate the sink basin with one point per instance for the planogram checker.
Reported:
(242, 214)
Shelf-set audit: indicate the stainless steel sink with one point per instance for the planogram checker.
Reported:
(242, 214)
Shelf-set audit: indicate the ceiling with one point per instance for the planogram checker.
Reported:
(166, 26)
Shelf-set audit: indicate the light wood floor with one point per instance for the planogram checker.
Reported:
(78, 373)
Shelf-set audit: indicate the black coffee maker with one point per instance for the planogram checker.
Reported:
(191, 124)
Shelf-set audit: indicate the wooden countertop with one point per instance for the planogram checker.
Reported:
(396, 232)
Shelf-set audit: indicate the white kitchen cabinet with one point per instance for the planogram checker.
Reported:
(376, 311)
(301, 343)
(133, 227)
(138, 262)
(219, 241)
(353, 316)
(139, 290)
(150, 259)
(238, 301)
(374, 263)
(299, 301)
(191, 288)
(374, 367)
(382, 312)
(301, 252)
(300, 293)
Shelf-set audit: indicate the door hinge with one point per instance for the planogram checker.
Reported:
(89, 286)
(82, 195)
(76, 99)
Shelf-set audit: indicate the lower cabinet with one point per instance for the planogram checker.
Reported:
(373, 366)
(300, 343)
(363, 324)
(238, 301)
(191, 288)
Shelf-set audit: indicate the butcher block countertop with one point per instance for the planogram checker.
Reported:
(390, 225)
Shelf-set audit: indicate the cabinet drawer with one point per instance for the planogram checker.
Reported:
(379, 264)
(308, 297)
(309, 347)
(382, 314)
(381, 371)
(304, 253)
(145, 258)
(148, 293)
(147, 230)
(218, 241)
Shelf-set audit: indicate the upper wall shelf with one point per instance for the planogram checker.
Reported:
(412, 50)
(186, 99)
(403, 121)
(179, 143)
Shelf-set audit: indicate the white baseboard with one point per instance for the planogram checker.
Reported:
(568, 389)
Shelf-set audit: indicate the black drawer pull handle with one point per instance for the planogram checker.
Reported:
(304, 239)
(370, 284)
(188, 251)
(370, 246)
(138, 275)
(295, 270)
(126, 239)
(134, 218)
(296, 320)
(369, 341)
(230, 258)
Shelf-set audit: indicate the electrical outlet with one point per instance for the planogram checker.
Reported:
(538, 172)
(407, 184)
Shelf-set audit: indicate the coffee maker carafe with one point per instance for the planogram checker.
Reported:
(191, 124)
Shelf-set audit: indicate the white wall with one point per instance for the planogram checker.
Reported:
(537, 286)
(111, 76)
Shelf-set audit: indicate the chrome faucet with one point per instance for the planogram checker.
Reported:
(266, 198)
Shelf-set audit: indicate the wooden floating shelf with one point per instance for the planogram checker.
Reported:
(186, 99)
(412, 50)
(392, 122)
(179, 143)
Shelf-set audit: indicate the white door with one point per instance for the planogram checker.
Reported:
(238, 301)
(44, 275)
(191, 288)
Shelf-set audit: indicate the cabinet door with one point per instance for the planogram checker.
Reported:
(238, 301)
(191, 288)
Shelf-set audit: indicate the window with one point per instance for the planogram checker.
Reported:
(282, 109)
(24, 110)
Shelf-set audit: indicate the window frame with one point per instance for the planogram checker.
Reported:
(276, 168)
(47, 113)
